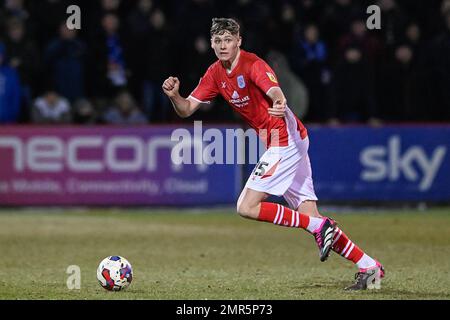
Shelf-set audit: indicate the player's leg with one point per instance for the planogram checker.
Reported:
(301, 196)
(251, 205)
(309, 207)
(273, 175)
(341, 243)
(370, 270)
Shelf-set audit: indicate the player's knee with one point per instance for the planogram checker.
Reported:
(309, 208)
(245, 210)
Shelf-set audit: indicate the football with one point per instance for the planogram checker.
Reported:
(115, 273)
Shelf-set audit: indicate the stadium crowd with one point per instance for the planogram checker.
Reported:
(331, 67)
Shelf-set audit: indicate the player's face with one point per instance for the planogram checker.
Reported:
(226, 46)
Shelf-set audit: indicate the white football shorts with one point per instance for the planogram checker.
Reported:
(285, 171)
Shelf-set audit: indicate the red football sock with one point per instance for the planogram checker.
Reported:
(277, 214)
(345, 247)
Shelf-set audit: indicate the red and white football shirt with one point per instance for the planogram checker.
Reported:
(245, 89)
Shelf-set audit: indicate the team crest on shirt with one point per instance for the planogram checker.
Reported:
(241, 81)
(272, 77)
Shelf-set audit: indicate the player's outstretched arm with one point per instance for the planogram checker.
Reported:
(183, 107)
(279, 102)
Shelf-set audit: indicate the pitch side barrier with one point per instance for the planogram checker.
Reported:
(389, 164)
(207, 165)
(110, 166)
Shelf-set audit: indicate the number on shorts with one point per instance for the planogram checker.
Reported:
(260, 169)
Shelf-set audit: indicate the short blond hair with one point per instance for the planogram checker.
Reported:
(221, 25)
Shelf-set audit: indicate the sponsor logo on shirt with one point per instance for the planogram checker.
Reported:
(235, 95)
(241, 82)
(239, 102)
(272, 77)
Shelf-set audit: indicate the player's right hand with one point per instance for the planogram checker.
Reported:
(171, 86)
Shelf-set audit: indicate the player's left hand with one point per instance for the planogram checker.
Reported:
(278, 109)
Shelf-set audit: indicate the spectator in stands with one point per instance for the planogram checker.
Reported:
(352, 91)
(116, 60)
(25, 58)
(10, 90)
(51, 108)
(413, 35)
(138, 19)
(439, 64)
(309, 62)
(283, 23)
(108, 66)
(419, 85)
(335, 21)
(358, 35)
(12, 9)
(84, 112)
(394, 22)
(124, 111)
(399, 86)
(294, 89)
(156, 64)
(65, 58)
(308, 11)
(130, 44)
(139, 28)
(111, 6)
(46, 17)
(198, 19)
(199, 55)
(95, 11)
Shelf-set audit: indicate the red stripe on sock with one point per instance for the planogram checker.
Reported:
(356, 253)
(268, 213)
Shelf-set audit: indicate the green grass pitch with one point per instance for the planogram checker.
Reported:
(217, 255)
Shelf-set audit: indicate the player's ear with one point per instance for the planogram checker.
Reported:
(239, 41)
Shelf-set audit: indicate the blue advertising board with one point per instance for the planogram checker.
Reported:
(390, 163)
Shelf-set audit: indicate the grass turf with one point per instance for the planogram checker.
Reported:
(186, 255)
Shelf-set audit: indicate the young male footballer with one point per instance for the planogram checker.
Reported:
(251, 88)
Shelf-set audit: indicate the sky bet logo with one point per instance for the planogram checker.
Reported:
(381, 163)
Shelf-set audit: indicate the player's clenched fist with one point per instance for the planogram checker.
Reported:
(171, 86)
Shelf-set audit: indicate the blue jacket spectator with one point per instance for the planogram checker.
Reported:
(10, 90)
(309, 61)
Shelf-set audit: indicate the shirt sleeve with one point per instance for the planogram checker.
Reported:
(206, 89)
(263, 76)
